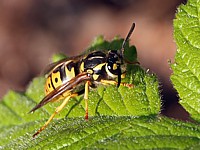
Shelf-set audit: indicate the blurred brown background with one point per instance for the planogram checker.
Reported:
(31, 31)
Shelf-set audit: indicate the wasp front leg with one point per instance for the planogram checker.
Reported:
(112, 82)
(58, 109)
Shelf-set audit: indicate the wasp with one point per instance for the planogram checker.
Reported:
(74, 76)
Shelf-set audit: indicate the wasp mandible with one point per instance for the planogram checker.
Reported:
(73, 76)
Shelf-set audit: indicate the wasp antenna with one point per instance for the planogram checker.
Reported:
(127, 38)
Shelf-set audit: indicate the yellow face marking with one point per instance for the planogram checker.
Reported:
(82, 67)
(95, 76)
(109, 73)
(114, 66)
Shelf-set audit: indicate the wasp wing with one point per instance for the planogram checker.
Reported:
(51, 66)
(68, 86)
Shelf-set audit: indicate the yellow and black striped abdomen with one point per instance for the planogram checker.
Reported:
(60, 75)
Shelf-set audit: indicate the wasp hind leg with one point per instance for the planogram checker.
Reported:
(112, 82)
(58, 109)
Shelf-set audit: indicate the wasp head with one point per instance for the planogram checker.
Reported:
(115, 59)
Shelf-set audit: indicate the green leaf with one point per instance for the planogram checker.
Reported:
(186, 69)
(105, 132)
(14, 110)
(119, 118)
(58, 57)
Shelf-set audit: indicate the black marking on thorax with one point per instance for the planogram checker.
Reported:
(94, 59)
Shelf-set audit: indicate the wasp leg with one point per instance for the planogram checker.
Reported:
(86, 99)
(112, 82)
(58, 109)
(61, 97)
(123, 75)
